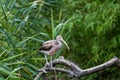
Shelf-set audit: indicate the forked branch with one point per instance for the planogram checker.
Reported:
(74, 70)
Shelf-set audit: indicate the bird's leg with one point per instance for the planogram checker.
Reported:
(46, 60)
(51, 64)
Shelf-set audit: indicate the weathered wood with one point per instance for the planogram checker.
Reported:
(74, 70)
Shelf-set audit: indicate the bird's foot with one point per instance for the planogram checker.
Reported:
(47, 64)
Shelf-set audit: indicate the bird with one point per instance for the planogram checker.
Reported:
(50, 47)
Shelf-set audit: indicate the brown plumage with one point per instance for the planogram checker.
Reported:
(52, 46)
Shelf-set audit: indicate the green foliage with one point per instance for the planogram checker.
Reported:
(90, 27)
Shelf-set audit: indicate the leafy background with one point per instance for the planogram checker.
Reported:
(90, 27)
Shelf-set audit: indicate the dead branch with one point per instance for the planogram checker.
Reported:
(74, 70)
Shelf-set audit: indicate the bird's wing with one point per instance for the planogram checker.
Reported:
(47, 45)
(49, 42)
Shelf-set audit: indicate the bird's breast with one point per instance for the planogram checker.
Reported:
(58, 45)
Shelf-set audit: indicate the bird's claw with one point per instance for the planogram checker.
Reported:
(47, 64)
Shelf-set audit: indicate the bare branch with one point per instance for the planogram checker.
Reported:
(74, 70)
(58, 69)
(113, 61)
(67, 63)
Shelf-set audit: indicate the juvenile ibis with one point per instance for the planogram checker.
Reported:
(52, 46)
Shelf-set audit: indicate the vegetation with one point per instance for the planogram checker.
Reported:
(90, 27)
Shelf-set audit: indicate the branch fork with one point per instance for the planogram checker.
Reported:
(74, 70)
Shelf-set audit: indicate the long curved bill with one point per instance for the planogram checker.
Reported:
(65, 44)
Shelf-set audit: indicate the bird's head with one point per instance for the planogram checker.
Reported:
(59, 38)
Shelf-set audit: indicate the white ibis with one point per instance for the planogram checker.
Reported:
(52, 46)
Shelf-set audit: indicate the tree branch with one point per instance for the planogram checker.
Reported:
(74, 70)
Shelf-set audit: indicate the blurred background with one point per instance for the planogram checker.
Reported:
(90, 27)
